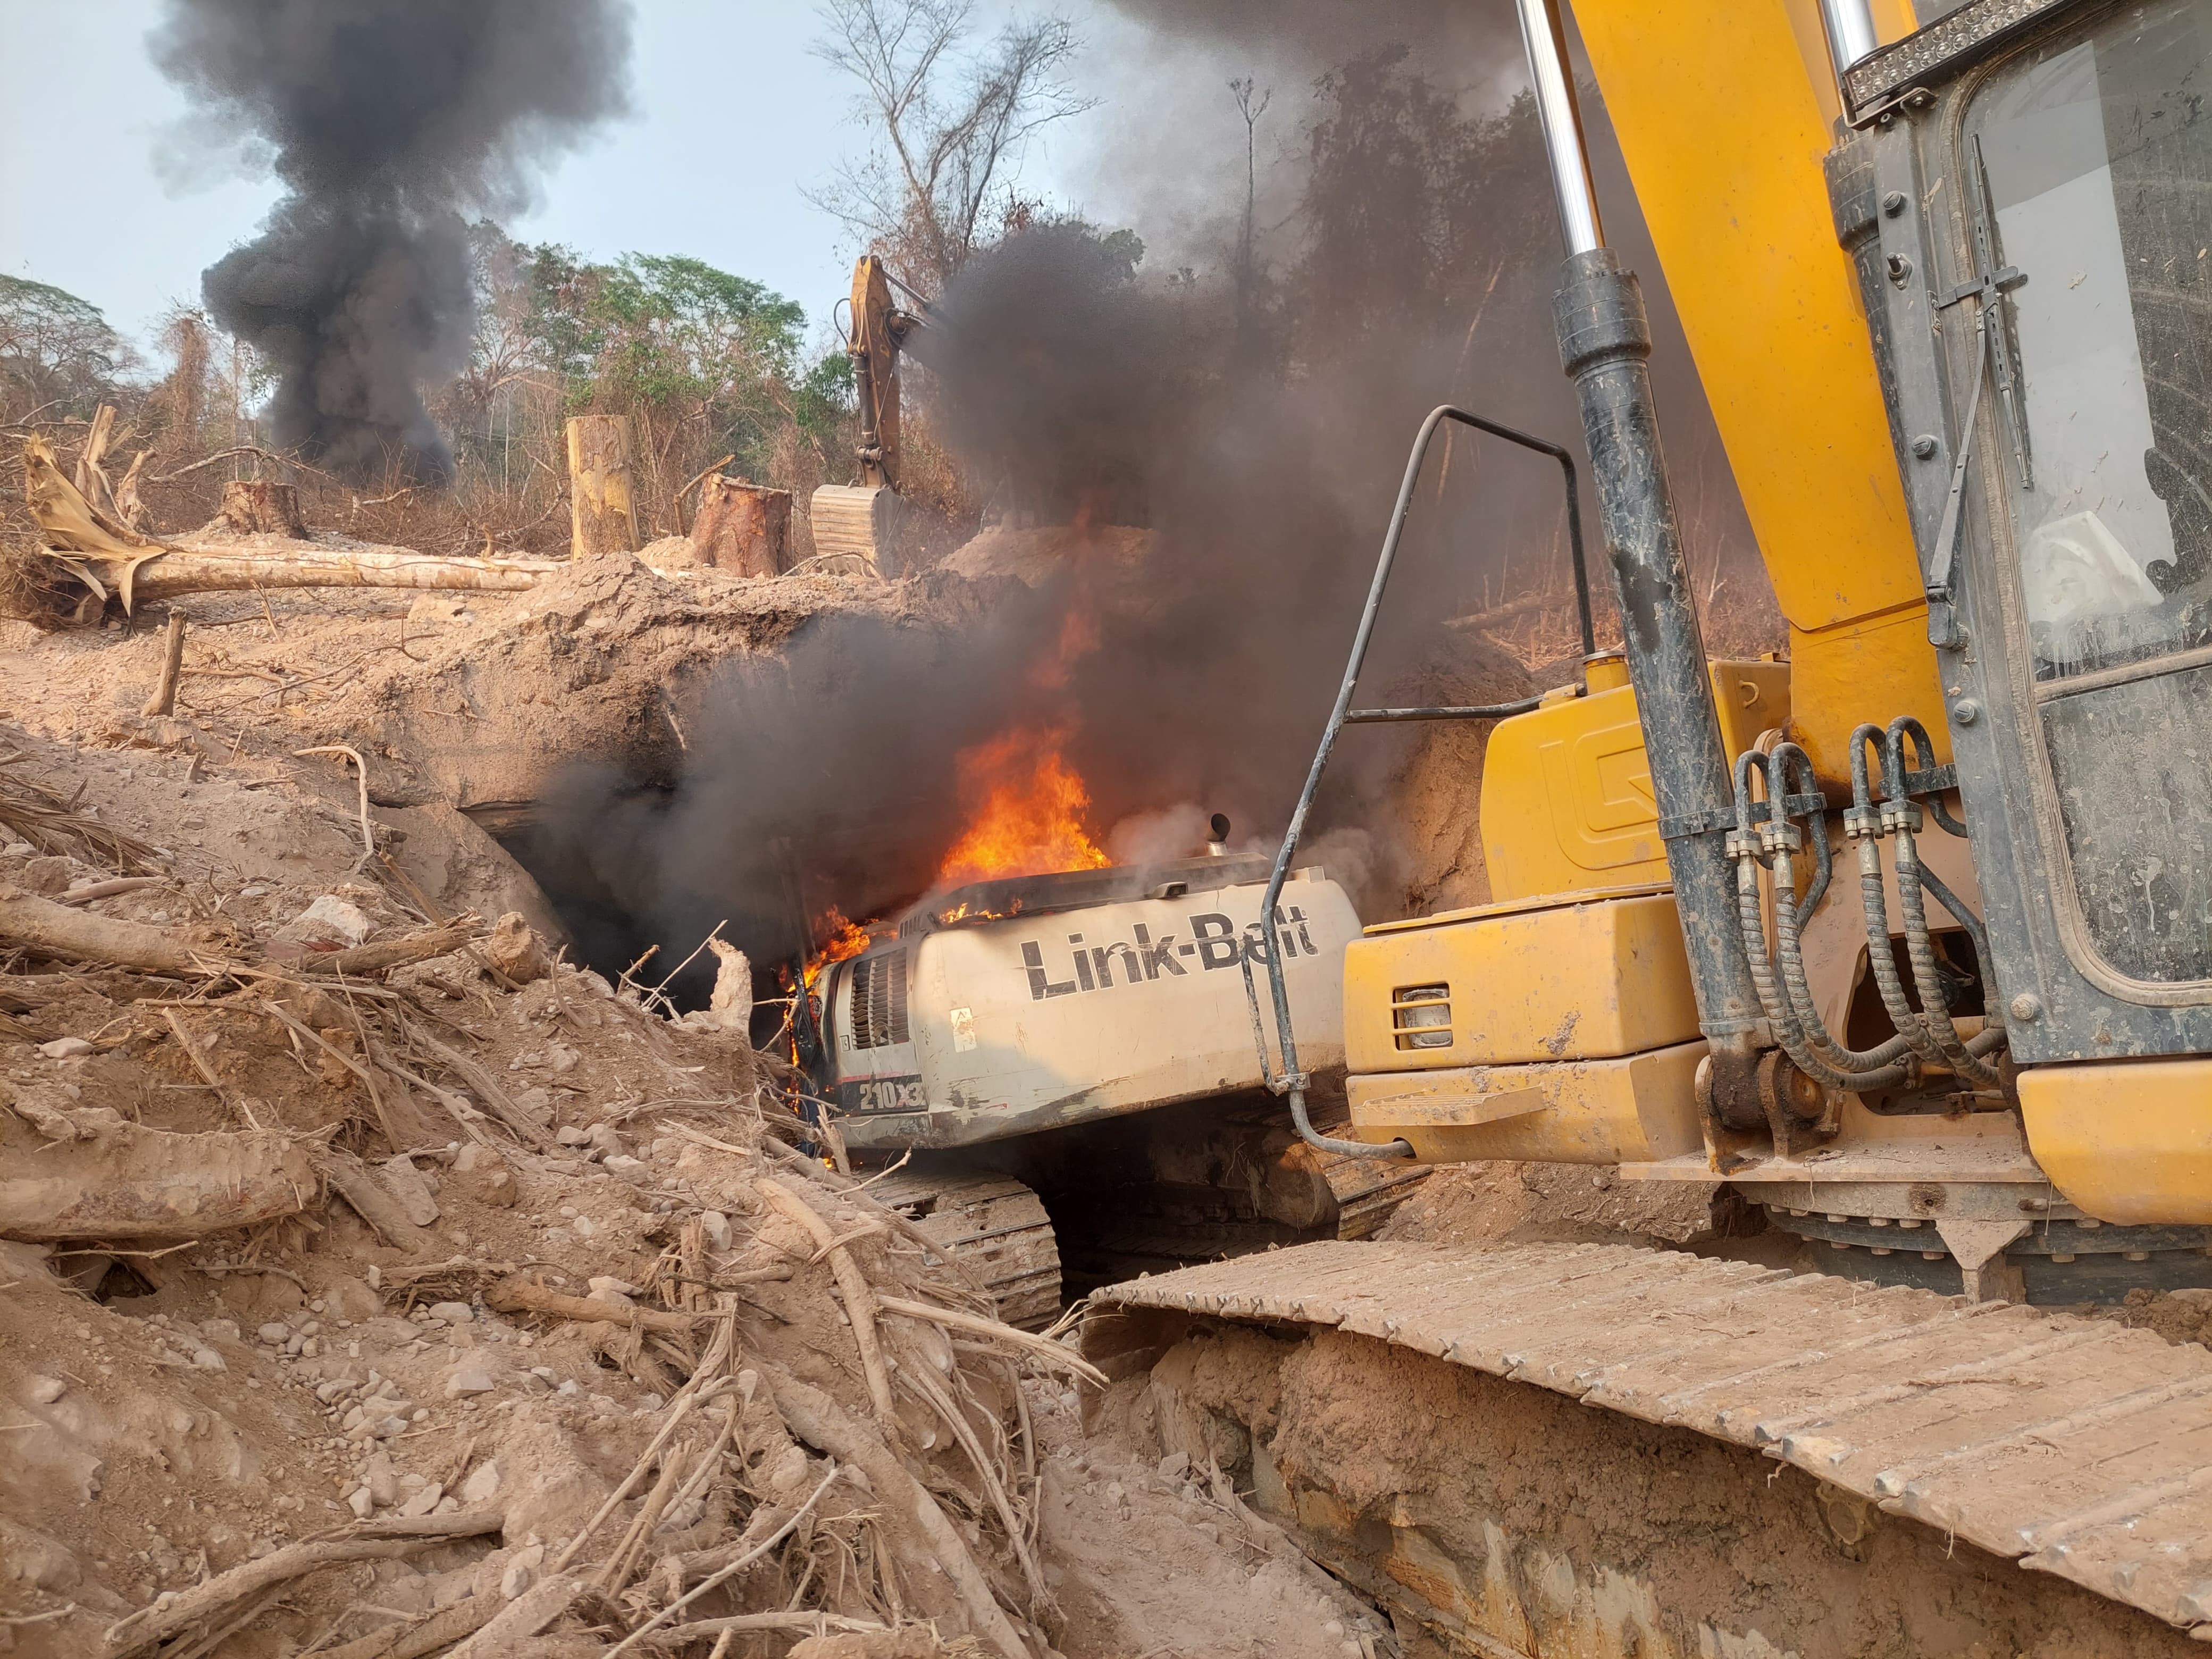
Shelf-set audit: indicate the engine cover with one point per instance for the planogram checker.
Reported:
(999, 1012)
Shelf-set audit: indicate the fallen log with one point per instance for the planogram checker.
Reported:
(59, 930)
(123, 1182)
(393, 952)
(202, 569)
(104, 555)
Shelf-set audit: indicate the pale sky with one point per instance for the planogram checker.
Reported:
(735, 120)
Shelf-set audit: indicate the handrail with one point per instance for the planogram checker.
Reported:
(1290, 1080)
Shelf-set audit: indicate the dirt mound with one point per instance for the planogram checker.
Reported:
(459, 698)
(377, 1280)
(425, 1296)
(1044, 552)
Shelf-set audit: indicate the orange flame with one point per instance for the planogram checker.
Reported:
(1026, 809)
(845, 940)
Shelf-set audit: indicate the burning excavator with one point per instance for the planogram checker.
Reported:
(1003, 1038)
(1962, 366)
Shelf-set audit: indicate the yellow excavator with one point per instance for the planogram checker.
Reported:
(1946, 285)
(860, 521)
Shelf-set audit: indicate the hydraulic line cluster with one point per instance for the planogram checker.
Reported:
(1767, 836)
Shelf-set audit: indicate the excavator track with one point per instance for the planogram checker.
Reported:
(2078, 1449)
(994, 1225)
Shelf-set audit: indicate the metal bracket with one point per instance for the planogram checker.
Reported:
(1680, 825)
(1935, 781)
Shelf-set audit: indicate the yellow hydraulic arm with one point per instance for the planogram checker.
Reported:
(1723, 110)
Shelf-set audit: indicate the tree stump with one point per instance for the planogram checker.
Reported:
(742, 528)
(602, 505)
(260, 506)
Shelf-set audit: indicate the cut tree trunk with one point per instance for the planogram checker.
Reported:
(602, 508)
(259, 507)
(742, 528)
(57, 930)
(204, 570)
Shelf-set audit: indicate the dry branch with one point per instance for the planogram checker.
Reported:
(424, 1636)
(482, 1081)
(522, 1619)
(394, 952)
(1052, 1354)
(817, 1418)
(361, 778)
(371, 1201)
(851, 1190)
(178, 1610)
(1527, 605)
(53, 825)
(859, 1300)
(164, 700)
(731, 1571)
(670, 1636)
(526, 1296)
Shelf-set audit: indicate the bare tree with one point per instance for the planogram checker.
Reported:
(948, 128)
(1251, 103)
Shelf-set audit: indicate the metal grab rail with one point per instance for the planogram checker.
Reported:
(1290, 1080)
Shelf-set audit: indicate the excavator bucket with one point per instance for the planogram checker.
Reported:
(856, 521)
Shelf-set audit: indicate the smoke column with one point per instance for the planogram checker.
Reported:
(1246, 425)
(387, 121)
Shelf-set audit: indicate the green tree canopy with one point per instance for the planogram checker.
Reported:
(55, 350)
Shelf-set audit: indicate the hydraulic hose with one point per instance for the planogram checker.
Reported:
(1866, 823)
(1825, 1062)
(1874, 1067)
(1919, 947)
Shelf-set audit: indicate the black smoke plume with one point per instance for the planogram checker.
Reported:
(387, 121)
(1251, 419)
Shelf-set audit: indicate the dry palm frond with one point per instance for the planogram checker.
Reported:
(53, 825)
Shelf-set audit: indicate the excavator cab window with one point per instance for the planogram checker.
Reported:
(2086, 171)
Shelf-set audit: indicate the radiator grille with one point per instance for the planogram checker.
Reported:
(879, 1001)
